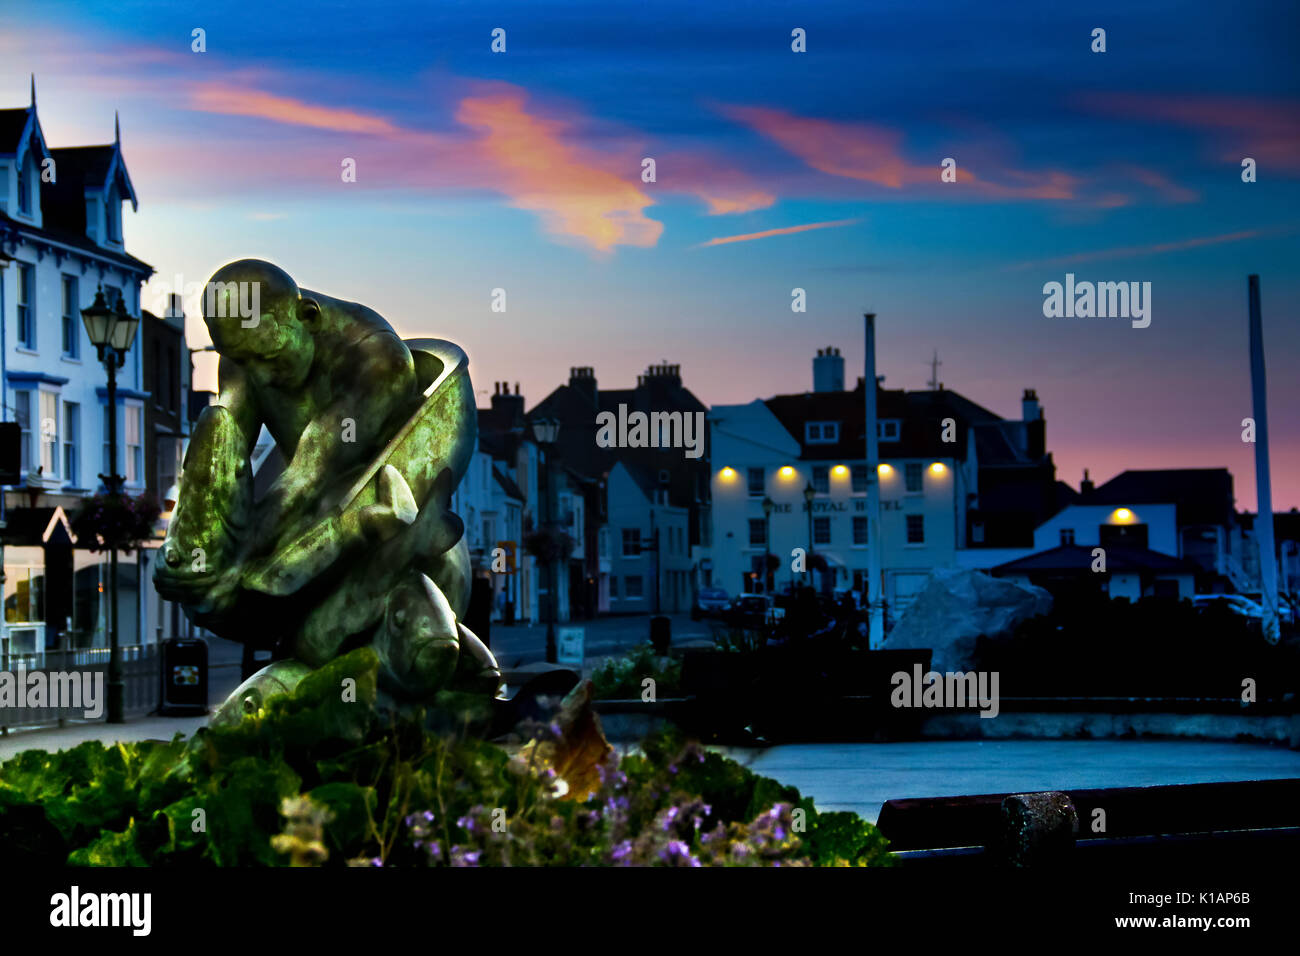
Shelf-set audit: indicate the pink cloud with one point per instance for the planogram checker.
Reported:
(784, 231)
(874, 154)
(1266, 130)
(1149, 250)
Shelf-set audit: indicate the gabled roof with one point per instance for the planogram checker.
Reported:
(20, 131)
(919, 414)
(508, 486)
(1074, 557)
(1202, 495)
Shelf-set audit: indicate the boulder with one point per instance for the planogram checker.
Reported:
(957, 606)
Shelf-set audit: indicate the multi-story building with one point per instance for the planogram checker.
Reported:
(61, 228)
(662, 488)
(790, 482)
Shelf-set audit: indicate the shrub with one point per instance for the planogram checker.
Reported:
(620, 678)
(313, 778)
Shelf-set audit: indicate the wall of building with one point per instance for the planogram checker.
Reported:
(1086, 520)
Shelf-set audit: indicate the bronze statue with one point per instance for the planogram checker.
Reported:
(354, 542)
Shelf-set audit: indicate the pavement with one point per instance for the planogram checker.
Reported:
(861, 777)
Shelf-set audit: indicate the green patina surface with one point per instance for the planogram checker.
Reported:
(354, 542)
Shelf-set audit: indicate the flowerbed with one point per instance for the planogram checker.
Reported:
(321, 777)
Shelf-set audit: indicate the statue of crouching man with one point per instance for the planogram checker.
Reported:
(353, 542)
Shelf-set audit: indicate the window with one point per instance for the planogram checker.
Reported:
(631, 542)
(71, 438)
(859, 530)
(23, 416)
(113, 217)
(757, 533)
(821, 479)
(887, 430)
(916, 529)
(49, 409)
(912, 475)
(134, 447)
(859, 478)
(71, 316)
(26, 305)
(24, 594)
(633, 586)
(756, 482)
(613, 587)
(24, 189)
(1067, 536)
(821, 433)
(821, 530)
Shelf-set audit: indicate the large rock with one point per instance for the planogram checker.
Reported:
(956, 607)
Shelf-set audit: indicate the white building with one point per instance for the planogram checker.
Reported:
(61, 227)
(784, 449)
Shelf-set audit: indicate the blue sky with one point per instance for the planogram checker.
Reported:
(521, 171)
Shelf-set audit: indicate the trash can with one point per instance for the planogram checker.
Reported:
(661, 633)
(183, 664)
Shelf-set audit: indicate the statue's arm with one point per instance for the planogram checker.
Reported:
(236, 395)
(373, 387)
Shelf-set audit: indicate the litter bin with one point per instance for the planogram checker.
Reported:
(184, 669)
(661, 633)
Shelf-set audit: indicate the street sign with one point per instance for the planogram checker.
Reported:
(570, 643)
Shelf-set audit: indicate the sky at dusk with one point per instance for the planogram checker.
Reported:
(774, 170)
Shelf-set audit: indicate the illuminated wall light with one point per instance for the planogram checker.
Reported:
(1123, 515)
(938, 468)
(884, 471)
(786, 472)
(728, 474)
(840, 471)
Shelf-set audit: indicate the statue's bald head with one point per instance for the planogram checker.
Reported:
(254, 311)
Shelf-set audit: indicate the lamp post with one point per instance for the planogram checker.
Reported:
(545, 431)
(809, 492)
(767, 541)
(112, 331)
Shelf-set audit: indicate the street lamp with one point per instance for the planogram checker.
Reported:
(545, 431)
(112, 331)
(809, 492)
(767, 541)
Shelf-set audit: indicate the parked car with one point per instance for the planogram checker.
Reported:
(1285, 612)
(749, 610)
(710, 602)
(1236, 603)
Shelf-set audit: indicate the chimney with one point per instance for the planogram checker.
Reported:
(828, 370)
(1086, 486)
(1030, 409)
(583, 381)
(1034, 425)
(508, 409)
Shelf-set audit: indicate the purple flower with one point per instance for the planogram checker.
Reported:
(677, 853)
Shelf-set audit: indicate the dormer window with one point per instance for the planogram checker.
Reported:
(887, 429)
(112, 219)
(821, 433)
(24, 189)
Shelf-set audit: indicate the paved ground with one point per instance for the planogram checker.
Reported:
(861, 777)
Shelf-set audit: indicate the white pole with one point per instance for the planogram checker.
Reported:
(875, 584)
(1263, 487)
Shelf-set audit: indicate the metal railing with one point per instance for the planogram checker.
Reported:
(139, 674)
